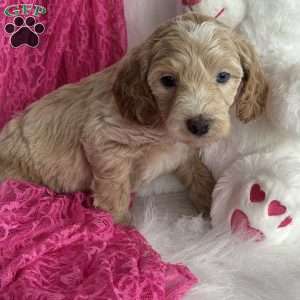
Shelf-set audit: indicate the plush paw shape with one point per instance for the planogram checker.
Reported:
(230, 12)
(261, 208)
(255, 204)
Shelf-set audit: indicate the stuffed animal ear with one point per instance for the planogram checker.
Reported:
(132, 93)
(251, 98)
(229, 12)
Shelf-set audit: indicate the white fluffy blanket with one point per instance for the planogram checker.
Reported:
(227, 268)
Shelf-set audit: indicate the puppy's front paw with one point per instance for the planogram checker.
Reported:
(125, 218)
(202, 204)
(204, 211)
(119, 217)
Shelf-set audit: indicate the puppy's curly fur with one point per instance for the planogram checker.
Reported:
(123, 127)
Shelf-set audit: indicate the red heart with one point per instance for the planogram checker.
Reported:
(240, 223)
(276, 208)
(287, 221)
(190, 2)
(257, 194)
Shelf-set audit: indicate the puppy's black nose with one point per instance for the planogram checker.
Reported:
(198, 125)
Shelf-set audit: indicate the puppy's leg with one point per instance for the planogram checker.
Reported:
(111, 182)
(113, 195)
(198, 180)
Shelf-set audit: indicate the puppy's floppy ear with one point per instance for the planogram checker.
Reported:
(251, 98)
(132, 93)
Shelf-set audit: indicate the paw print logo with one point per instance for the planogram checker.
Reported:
(24, 32)
(262, 216)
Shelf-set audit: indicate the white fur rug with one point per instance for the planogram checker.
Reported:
(227, 268)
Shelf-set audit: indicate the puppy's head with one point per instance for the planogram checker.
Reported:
(185, 78)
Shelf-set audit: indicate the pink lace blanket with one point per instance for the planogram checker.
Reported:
(57, 247)
(47, 43)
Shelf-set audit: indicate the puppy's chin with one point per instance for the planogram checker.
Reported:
(181, 135)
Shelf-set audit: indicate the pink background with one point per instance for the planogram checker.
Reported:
(81, 37)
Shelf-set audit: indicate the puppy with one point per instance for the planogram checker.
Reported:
(145, 116)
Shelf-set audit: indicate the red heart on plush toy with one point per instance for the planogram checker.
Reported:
(276, 208)
(287, 221)
(190, 2)
(257, 194)
(241, 224)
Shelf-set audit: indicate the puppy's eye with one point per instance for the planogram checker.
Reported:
(223, 77)
(168, 81)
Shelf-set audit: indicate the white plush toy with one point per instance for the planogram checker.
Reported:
(257, 167)
(229, 12)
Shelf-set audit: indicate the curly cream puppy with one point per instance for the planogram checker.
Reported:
(145, 116)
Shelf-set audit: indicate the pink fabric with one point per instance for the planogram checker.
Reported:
(79, 38)
(57, 247)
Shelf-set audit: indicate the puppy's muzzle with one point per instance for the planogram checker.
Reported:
(198, 126)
